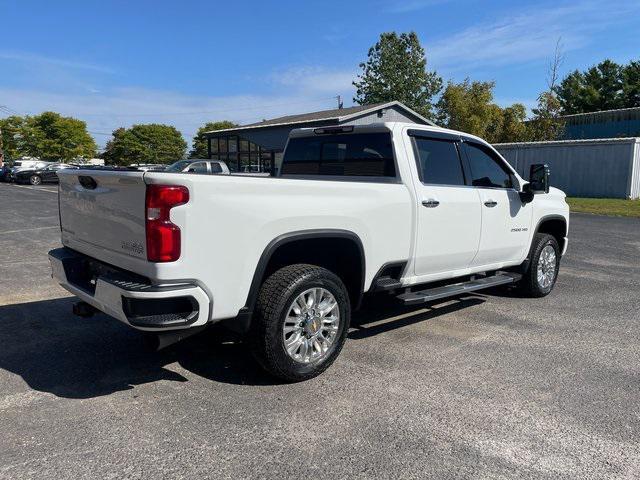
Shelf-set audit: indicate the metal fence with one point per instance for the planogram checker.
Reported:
(583, 168)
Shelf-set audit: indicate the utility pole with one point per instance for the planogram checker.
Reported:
(340, 104)
(1, 150)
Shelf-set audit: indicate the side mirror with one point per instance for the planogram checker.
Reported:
(539, 178)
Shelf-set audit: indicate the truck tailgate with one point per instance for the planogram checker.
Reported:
(104, 208)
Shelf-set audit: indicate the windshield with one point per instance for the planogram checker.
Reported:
(178, 166)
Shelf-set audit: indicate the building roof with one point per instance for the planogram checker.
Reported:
(633, 112)
(337, 114)
(333, 114)
(578, 141)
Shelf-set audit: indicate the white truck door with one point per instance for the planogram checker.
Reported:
(505, 218)
(449, 214)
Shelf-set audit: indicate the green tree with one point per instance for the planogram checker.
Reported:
(546, 124)
(145, 143)
(50, 136)
(396, 69)
(601, 87)
(199, 144)
(513, 127)
(631, 84)
(468, 106)
(572, 93)
(12, 136)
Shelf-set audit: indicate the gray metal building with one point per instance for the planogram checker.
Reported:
(258, 147)
(607, 167)
(624, 122)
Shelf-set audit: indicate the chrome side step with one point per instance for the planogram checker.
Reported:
(436, 293)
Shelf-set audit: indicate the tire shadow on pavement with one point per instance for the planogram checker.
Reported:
(71, 357)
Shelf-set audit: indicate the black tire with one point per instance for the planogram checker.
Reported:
(35, 180)
(529, 285)
(276, 295)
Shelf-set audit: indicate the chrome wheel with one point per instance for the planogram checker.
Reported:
(311, 325)
(547, 267)
(35, 180)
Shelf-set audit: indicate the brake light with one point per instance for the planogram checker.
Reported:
(163, 237)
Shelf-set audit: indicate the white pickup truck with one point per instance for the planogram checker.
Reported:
(420, 212)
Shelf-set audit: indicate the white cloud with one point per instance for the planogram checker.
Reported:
(34, 60)
(315, 80)
(107, 110)
(406, 6)
(60, 88)
(526, 36)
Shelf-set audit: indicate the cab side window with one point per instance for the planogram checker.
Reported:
(438, 162)
(486, 171)
(198, 167)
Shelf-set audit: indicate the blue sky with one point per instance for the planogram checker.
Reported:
(115, 63)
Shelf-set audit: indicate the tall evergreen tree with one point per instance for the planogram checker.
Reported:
(606, 86)
(631, 84)
(396, 69)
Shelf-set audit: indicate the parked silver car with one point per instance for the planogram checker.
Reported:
(201, 166)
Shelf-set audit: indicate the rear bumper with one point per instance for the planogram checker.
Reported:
(128, 297)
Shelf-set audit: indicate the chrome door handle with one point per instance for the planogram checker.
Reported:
(431, 203)
(490, 203)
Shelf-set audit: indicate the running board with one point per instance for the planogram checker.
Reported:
(430, 294)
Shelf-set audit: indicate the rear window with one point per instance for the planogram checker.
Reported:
(353, 155)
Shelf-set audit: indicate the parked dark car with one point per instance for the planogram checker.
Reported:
(4, 173)
(36, 176)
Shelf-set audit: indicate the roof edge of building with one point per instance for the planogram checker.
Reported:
(569, 142)
(338, 118)
(586, 114)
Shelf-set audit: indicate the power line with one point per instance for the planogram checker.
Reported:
(7, 110)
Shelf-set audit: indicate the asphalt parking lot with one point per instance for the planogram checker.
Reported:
(488, 386)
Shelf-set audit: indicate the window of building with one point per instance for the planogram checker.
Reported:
(232, 162)
(232, 142)
(438, 162)
(241, 154)
(486, 168)
(361, 154)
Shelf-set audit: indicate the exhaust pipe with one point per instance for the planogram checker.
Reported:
(83, 309)
(157, 341)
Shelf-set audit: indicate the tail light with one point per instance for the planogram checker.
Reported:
(163, 237)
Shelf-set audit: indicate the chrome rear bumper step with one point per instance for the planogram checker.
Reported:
(436, 293)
